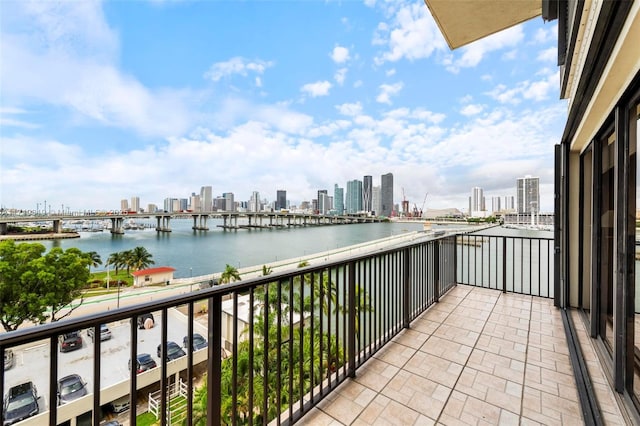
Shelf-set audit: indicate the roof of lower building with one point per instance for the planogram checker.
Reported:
(152, 271)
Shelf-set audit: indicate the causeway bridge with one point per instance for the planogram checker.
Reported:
(248, 220)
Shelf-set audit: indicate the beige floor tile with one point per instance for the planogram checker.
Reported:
(395, 354)
(411, 337)
(439, 370)
(319, 418)
(375, 374)
(447, 349)
(386, 411)
(457, 334)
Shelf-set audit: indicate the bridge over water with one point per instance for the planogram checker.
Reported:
(259, 220)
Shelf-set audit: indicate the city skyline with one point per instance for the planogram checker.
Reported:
(150, 96)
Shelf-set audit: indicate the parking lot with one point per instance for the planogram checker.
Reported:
(32, 363)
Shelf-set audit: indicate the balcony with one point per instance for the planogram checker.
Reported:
(459, 329)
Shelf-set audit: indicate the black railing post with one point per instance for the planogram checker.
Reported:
(353, 329)
(436, 271)
(213, 361)
(504, 264)
(455, 259)
(53, 380)
(97, 358)
(406, 297)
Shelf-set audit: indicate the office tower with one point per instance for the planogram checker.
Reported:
(324, 202)
(184, 204)
(168, 204)
(495, 204)
(527, 189)
(353, 202)
(135, 204)
(254, 202)
(206, 199)
(338, 199)
(281, 199)
(476, 202)
(367, 185)
(376, 202)
(386, 194)
(229, 204)
(175, 205)
(509, 203)
(124, 205)
(152, 208)
(320, 208)
(194, 202)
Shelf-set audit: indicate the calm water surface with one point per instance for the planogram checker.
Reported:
(195, 253)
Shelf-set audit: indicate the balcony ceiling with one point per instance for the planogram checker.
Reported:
(465, 21)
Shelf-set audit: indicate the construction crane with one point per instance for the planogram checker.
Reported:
(422, 212)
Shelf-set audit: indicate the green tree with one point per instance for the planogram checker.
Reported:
(31, 282)
(19, 290)
(229, 275)
(95, 259)
(117, 260)
(266, 270)
(140, 258)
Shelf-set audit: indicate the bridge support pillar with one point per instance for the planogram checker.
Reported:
(200, 222)
(4, 228)
(57, 226)
(163, 223)
(116, 225)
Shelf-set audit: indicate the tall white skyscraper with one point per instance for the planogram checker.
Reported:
(528, 194)
(254, 202)
(376, 201)
(135, 204)
(495, 204)
(509, 203)
(206, 199)
(476, 202)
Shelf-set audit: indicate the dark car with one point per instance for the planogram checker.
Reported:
(70, 341)
(20, 402)
(142, 319)
(105, 333)
(70, 387)
(199, 342)
(173, 351)
(144, 362)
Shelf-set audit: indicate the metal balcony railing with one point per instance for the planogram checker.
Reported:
(290, 338)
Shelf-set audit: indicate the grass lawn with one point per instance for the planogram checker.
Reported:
(146, 419)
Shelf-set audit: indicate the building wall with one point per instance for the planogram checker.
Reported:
(386, 194)
(367, 185)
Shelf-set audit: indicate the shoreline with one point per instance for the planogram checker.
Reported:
(37, 237)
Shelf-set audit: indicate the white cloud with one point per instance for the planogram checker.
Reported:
(535, 90)
(548, 55)
(319, 88)
(340, 76)
(546, 34)
(357, 83)
(390, 72)
(258, 82)
(388, 90)
(340, 54)
(350, 109)
(412, 34)
(236, 65)
(471, 109)
(473, 53)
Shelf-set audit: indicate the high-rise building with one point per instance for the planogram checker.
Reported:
(495, 204)
(254, 202)
(194, 202)
(206, 199)
(476, 202)
(135, 204)
(338, 199)
(124, 205)
(229, 204)
(281, 199)
(353, 202)
(324, 203)
(386, 194)
(376, 202)
(367, 185)
(168, 204)
(320, 207)
(152, 208)
(509, 203)
(527, 190)
(184, 204)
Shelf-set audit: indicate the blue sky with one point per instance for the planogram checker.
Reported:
(102, 101)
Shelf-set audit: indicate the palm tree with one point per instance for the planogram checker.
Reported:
(117, 260)
(140, 258)
(229, 275)
(94, 258)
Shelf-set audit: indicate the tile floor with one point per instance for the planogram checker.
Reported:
(479, 357)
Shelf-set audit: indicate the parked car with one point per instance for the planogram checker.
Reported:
(20, 403)
(8, 359)
(70, 341)
(199, 342)
(71, 387)
(144, 362)
(173, 351)
(105, 333)
(142, 319)
(121, 404)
